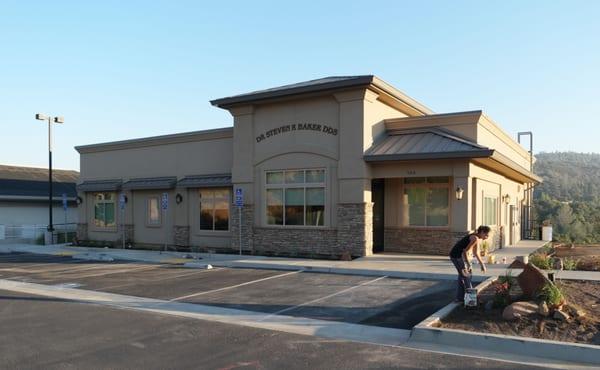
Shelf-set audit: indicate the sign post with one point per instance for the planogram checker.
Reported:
(164, 203)
(122, 201)
(64, 204)
(239, 202)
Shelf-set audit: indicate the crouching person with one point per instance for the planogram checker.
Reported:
(459, 255)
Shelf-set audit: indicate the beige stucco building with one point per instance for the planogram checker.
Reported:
(325, 167)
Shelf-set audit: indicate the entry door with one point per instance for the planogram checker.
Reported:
(513, 224)
(378, 198)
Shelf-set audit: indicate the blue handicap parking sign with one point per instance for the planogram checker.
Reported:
(164, 200)
(239, 197)
(64, 201)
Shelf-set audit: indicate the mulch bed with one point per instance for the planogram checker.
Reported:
(580, 295)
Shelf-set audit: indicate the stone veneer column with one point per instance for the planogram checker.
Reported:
(82, 231)
(181, 236)
(247, 228)
(355, 228)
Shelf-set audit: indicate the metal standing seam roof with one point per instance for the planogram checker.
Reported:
(37, 174)
(150, 183)
(26, 188)
(100, 185)
(424, 144)
(205, 181)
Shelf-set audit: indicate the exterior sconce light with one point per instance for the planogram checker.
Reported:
(459, 193)
(178, 198)
(79, 200)
(506, 198)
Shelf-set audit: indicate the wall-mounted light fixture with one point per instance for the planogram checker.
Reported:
(459, 193)
(79, 200)
(506, 198)
(178, 198)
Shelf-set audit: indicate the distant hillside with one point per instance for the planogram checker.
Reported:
(569, 176)
(570, 194)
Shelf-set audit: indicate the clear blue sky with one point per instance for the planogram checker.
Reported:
(125, 69)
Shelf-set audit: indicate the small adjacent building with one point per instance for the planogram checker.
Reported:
(338, 165)
(24, 210)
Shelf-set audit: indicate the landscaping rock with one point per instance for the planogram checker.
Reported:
(560, 315)
(543, 309)
(532, 280)
(518, 309)
(579, 313)
(517, 264)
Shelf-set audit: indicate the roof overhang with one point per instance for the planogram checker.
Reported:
(150, 183)
(206, 181)
(326, 86)
(438, 144)
(100, 185)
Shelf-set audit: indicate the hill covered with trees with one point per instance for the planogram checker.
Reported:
(569, 197)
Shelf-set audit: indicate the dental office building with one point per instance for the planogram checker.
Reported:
(329, 167)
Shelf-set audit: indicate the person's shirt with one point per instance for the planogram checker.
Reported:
(460, 246)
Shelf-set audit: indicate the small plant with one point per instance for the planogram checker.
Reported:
(570, 263)
(485, 248)
(552, 295)
(541, 261)
(501, 293)
(502, 288)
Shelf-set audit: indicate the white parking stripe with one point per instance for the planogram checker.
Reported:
(233, 286)
(322, 298)
(159, 279)
(115, 272)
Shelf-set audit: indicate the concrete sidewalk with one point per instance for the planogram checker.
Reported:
(393, 265)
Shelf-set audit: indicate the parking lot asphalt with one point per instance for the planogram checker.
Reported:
(376, 301)
(48, 333)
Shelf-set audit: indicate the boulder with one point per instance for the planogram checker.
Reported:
(543, 309)
(532, 280)
(516, 264)
(518, 309)
(560, 315)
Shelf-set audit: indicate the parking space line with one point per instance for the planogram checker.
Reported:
(52, 268)
(160, 279)
(233, 286)
(322, 298)
(116, 272)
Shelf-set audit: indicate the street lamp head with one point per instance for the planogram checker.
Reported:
(59, 119)
(41, 117)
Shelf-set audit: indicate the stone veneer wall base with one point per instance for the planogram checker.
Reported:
(420, 241)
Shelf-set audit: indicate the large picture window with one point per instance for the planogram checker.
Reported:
(490, 210)
(214, 209)
(426, 201)
(104, 210)
(295, 197)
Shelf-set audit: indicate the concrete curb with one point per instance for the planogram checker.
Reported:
(426, 332)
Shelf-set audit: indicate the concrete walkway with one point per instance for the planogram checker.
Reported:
(393, 265)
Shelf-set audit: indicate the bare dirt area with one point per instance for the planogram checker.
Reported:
(587, 257)
(583, 326)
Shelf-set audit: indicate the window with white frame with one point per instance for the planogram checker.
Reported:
(214, 209)
(426, 201)
(490, 210)
(153, 211)
(295, 197)
(104, 210)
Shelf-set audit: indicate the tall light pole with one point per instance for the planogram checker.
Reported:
(50, 120)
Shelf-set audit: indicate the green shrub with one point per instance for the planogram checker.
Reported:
(541, 261)
(570, 263)
(552, 295)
